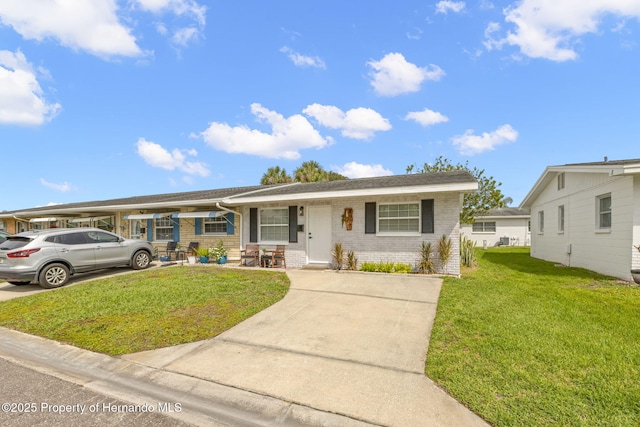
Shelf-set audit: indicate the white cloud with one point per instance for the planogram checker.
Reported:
(470, 144)
(393, 75)
(358, 170)
(64, 187)
(446, 6)
(183, 36)
(21, 98)
(159, 157)
(288, 136)
(427, 117)
(357, 123)
(548, 29)
(303, 61)
(91, 26)
(189, 14)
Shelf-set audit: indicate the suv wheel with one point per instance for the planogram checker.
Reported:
(141, 260)
(54, 276)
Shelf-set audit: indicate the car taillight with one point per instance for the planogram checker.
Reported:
(22, 254)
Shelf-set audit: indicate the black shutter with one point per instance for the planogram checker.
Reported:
(293, 224)
(428, 216)
(370, 218)
(253, 225)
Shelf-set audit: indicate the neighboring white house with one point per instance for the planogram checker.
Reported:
(380, 219)
(500, 227)
(588, 215)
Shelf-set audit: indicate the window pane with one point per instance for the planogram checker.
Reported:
(490, 226)
(402, 217)
(477, 226)
(215, 225)
(276, 234)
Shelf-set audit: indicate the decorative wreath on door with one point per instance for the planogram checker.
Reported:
(347, 218)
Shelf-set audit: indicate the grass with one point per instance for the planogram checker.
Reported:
(523, 342)
(147, 310)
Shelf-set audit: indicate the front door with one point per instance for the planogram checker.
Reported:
(319, 234)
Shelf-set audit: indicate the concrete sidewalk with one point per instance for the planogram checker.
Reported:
(351, 344)
(341, 349)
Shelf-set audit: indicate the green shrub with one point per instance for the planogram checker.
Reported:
(369, 267)
(385, 267)
(467, 252)
(402, 268)
(444, 252)
(426, 265)
(352, 261)
(338, 256)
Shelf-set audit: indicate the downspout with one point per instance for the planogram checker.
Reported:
(222, 208)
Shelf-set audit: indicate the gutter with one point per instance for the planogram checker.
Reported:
(222, 208)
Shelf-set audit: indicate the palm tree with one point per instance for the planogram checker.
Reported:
(275, 175)
(309, 171)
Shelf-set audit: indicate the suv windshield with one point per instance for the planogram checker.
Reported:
(14, 242)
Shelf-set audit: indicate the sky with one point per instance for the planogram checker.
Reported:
(105, 99)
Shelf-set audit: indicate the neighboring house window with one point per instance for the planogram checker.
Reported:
(484, 227)
(604, 211)
(274, 225)
(217, 225)
(529, 226)
(561, 181)
(561, 218)
(164, 228)
(399, 217)
(135, 229)
(541, 222)
(3, 225)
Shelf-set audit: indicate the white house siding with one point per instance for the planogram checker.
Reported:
(517, 229)
(582, 244)
(371, 247)
(635, 254)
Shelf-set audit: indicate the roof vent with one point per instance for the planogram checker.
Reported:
(606, 159)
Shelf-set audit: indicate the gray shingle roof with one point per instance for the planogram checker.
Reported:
(409, 180)
(507, 212)
(192, 197)
(607, 163)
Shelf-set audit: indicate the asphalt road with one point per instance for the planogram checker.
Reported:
(30, 398)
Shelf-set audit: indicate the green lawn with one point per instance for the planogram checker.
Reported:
(146, 310)
(523, 342)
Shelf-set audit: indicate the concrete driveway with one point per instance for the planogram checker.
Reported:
(352, 344)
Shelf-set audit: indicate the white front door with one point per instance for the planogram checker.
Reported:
(319, 234)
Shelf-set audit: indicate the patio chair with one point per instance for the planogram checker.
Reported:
(191, 249)
(276, 258)
(250, 253)
(171, 249)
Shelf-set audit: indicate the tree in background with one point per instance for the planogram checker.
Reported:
(488, 196)
(275, 175)
(309, 171)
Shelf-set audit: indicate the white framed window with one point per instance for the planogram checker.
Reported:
(540, 221)
(135, 229)
(399, 218)
(3, 225)
(603, 209)
(274, 225)
(484, 227)
(561, 219)
(217, 225)
(163, 228)
(560, 180)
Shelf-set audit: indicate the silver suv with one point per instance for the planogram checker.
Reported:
(49, 257)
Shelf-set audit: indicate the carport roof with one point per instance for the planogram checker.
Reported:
(459, 181)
